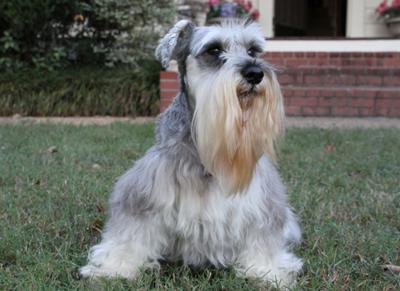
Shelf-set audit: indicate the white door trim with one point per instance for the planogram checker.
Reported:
(266, 8)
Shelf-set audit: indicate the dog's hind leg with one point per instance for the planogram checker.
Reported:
(135, 235)
(123, 251)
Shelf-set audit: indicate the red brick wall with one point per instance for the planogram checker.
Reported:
(328, 84)
(169, 88)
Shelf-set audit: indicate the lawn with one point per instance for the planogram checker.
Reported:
(55, 180)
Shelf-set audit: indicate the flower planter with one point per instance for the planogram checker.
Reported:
(215, 20)
(221, 10)
(393, 24)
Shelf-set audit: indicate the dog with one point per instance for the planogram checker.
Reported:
(208, 191)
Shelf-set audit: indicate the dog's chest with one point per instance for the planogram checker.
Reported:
(198, 214)
(214, 218)
(204, 228)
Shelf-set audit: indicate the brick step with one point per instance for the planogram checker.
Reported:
(317, 100)
(342, 101)
(351, 69)
(328, 76)
(337, 59)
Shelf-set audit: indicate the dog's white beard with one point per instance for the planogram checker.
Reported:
(231, 131)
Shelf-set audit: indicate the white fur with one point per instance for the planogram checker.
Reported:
(212, 227)
(170, 205)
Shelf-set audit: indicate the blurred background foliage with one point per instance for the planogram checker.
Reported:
(55, 53)
(56, 33)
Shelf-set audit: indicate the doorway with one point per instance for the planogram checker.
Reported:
(310, 18)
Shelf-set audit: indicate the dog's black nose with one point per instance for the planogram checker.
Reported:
(253, 74)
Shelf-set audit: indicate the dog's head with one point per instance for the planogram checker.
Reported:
(233, 93)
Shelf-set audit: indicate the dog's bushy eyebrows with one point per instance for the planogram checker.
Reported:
(214, 43)
(221, 44)
(258, 46)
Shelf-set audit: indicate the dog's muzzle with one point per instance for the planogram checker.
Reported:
(252, 74)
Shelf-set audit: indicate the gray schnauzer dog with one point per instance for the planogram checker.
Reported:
(208, 191)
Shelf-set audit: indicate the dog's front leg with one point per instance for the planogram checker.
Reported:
(269, 259)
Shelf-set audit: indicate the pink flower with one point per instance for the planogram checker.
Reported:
(242, 3)
(396, 3)
(255, 14)
(214, 2)
(382, 7)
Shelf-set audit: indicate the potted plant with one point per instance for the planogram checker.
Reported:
(220, 9)
(390, 15)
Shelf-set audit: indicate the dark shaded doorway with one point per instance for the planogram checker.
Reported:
(310, 18)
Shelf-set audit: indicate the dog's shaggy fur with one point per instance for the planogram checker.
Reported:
(208, 191)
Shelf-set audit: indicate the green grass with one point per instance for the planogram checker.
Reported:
(344, 185)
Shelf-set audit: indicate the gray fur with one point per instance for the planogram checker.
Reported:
(167, 206)
(170, 46)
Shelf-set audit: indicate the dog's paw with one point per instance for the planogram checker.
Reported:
(113, 259)
(281, 271)
(93, 272)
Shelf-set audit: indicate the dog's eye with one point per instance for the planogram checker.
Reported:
(253, 51)
(214, 51)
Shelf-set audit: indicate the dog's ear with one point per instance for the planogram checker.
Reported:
(174, 42)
